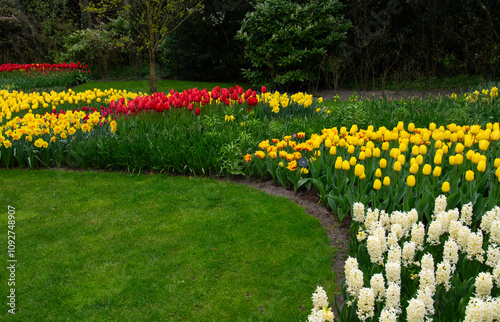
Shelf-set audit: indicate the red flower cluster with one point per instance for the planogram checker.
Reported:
(190, 98)
(43, 67)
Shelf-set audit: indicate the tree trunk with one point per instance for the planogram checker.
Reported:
(152, 71)
(151, 49)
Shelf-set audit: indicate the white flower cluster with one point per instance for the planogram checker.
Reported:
(321, 312)
(396, 241)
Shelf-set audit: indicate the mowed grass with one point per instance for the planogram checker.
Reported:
(97, 246)
(162, 85)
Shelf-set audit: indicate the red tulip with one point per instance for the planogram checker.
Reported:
(264, 89)
(197, 111)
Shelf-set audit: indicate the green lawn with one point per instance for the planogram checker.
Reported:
(162, 85)
(99, 246)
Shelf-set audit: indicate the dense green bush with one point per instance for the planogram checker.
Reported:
(287, 43)
(102, 48)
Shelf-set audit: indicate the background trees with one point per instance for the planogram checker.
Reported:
(389, 41)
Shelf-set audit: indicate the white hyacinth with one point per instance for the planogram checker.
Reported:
(463, 237)
(388, 315)
(320, 299)
(495, 232)
(483, 285)
(427, 278)
(450, 252)
(440, 205)
(425, 294)
(392, 239)
(371, 218)
(408, 253)
(443, 274)
(427, 262)
(435, 232)
(488, 218)
(375, 250)
(454, 229)
(379, 232)
(394, 254)
(475, 246)
(366, 304)
(418, 235)
(393, 272)
(355, 282)
(398, 230)
(466, 214)
(385, 220)
(415, 311)
(492, 255)
(496, 274)
(358, 210)
(393, 297)
(377, 284)
(477, 310)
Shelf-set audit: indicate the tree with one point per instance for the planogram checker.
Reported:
(154, 20)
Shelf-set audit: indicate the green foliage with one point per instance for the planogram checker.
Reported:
(287, 42)
(102, 48)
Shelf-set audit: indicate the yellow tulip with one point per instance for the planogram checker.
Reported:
(385, 146)
(469, 175)
(377, 184)
(452, 160)
(438, 144)
(427, 169)
(420, 159)
(459, 159)
(345, 165)
(352, 161)
(397, 166)
(483, 145)
(415, 150)
(402, 159)
(350, 149)
(338, 163)
(497, 163)
(411, 127)
(368, 153)
(432, 126)
(383, 163)
(476, 158)
(410, 181)
(446, 186)
(387, 181)
(376, 152)
(423, 149)
(481, 166)
(414, 168)
(459, 148)
(333, 150)
(470, 154)
(328, 143)
(359, 169)
(378, 173)
(437, 171)
(362, 155)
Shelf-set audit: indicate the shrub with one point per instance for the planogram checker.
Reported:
(289, 42)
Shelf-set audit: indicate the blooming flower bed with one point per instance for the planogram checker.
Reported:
(400, 268)
(400, 168)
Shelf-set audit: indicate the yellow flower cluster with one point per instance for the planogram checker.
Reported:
(484, 95)
(418, 152)
(15, 102)
(277, 100)
(48, 127)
